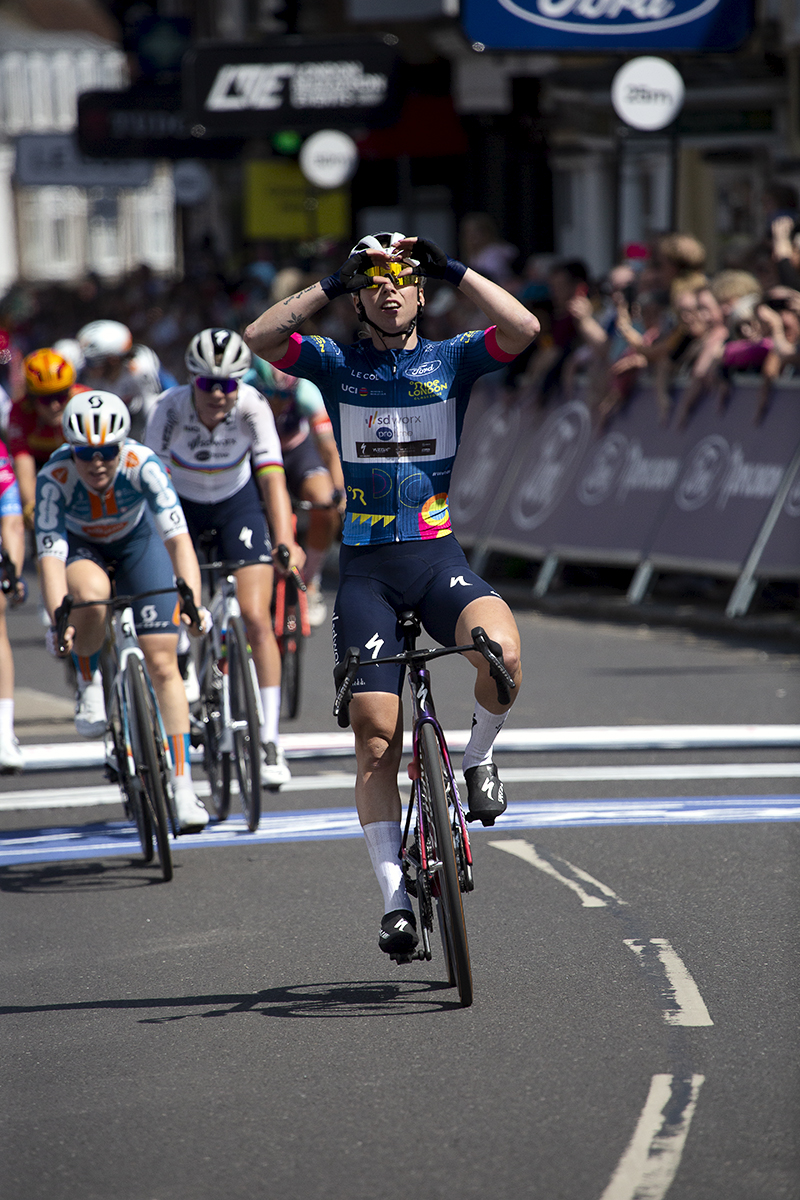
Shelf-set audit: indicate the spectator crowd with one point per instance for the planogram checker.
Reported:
(658, 310)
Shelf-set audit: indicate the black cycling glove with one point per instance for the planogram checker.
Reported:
(435, 264)
(350, 277)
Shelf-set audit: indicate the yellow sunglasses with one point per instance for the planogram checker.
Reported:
(394, 269)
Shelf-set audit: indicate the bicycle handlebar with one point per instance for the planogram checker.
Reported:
(62, 613)
(345, 672)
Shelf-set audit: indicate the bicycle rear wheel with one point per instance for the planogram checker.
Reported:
(244, 711)
(446, 890)
(217, 765)
(144, 727)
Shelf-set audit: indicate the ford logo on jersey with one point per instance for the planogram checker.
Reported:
(384, 434)
(426, 368)
(612, 24)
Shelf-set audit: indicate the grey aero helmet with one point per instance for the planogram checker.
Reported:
(218, 353)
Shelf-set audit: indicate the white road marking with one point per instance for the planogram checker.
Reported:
(528, 853)
(648, 1166)
(64, 755)
(684, 1004)
(342, 780)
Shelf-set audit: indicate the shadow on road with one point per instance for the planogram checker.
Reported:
(350, 999)
(114, 874)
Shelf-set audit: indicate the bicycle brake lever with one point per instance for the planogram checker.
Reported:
(493, 653)
(187, 601)
(343, 675)
(61, 617)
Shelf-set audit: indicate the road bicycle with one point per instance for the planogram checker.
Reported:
(137, 751)
(292, 627)
(435, 854)
(228, 726)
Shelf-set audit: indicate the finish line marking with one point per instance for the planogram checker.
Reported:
(76, 755)
(119, 838)
(85, 797)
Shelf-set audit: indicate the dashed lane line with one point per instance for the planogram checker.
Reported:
(647, 1168)
(680, 995)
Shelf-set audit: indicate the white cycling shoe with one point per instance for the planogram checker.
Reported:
(90, 707)
(11, 760)
(192, 813)
(317, 608)
(274, 769)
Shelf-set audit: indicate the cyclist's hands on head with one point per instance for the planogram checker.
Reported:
(434, 263)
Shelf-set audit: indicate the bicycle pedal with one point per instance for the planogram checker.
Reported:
(402, 959)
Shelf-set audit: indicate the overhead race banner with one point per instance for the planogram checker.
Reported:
(292, 82)
(535, 483)
(603, 25)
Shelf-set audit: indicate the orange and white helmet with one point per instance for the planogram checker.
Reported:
(96, 419)
(47, 373)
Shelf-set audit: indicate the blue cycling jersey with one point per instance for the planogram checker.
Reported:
(397, 417)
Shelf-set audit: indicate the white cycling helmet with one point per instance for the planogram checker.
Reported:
(69, 348)
(103, 339)
(219, 354)
(95, 419)
(377, 241)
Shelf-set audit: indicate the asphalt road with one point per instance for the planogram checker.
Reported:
(237, 1033)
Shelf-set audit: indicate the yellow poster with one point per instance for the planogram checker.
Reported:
(279, 203)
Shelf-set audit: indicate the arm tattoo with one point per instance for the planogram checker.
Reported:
(294, 322)
(297, 295)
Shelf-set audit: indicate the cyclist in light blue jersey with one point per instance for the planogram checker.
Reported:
(397, 404)
(105, 503)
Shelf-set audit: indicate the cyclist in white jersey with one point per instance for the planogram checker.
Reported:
(217, 438)
(105, 503)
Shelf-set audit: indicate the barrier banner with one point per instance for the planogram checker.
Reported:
(693, 498)
(485, 463)
(729, 477)
(781, 557)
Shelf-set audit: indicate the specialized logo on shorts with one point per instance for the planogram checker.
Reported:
(374, 644)
(424, 369)
(246, 536)
(454, 579)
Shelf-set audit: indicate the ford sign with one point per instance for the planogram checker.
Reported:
(608, 24)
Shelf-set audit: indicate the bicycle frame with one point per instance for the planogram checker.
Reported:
(224, 607)
(125, 646)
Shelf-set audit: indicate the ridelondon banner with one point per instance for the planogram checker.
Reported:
(534, 483)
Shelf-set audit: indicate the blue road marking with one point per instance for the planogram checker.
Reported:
(116, 838)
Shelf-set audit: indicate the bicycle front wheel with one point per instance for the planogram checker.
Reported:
(446, 890)
(135, 806)
(244, 714)
(292, 644)
(216, 763)
(144, 726)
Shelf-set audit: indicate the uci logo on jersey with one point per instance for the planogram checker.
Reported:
(424, 369)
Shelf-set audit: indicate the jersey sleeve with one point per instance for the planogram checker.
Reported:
(50, 518)
(315, 358)
(10, 502)
(477, 353)
(257, 415)
(162, 499)
(161, 424)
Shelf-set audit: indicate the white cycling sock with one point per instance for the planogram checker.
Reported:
(383, 840)
(485, 728)
(6, 718)
(271, 704)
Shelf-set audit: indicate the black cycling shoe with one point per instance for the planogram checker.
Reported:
(398, 934)
(486, 795)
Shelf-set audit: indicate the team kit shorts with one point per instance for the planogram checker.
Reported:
(377, 583)
(138, 563)
(239, 524)
(299, 463)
